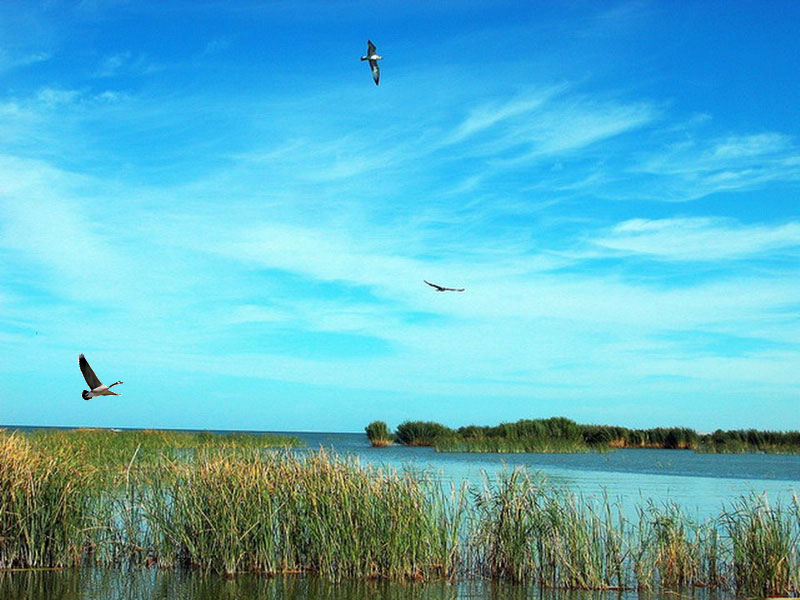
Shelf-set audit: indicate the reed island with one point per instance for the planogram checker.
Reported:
(559, 434)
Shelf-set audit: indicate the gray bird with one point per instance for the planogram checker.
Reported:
(373, 58)
(95, 387)
(441, 288)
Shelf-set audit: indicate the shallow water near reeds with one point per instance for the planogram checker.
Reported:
(700, 483)
(182, 584)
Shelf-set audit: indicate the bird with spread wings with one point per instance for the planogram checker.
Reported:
(95, 387)
(373, 57)
(441, 288)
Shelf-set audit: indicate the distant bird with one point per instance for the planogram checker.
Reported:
(95, 387)
(373, 58)
(440, 288)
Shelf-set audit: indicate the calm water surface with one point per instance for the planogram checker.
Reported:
(140, 584)
(700, 483)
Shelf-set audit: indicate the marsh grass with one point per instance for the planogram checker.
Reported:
(232, 510)
(681, 552)
(505, 445)
(108, 448)
(559, 434)
(378, 434)
(312, 514)
(765, 541)
(45, 506)
(528, 531)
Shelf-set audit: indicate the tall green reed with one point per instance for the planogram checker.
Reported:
(45, 506)
(764, 537)
(314, 513)
(528, 531)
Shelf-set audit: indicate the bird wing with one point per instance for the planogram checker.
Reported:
(433, 285)
(376, 71)
(370, 48)
(91, 379)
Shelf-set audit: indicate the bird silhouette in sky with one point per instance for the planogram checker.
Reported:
(441, 288)
(373, 57)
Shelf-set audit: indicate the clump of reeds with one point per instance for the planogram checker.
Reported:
(764, 540)
(680, 552)
(314, 514)
(528, 531)
(45, 502)
(421, 433)
(378, 434)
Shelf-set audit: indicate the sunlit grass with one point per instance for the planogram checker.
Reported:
(45, 502)
(245, 509)
(287, 513)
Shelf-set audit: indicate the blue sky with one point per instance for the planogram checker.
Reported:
(216, 205)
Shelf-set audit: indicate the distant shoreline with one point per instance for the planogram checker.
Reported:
(562, 435)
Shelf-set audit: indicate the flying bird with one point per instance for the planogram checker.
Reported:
(440, 288)
(95, 387)
(373, 58)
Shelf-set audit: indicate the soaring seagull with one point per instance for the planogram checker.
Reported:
(373, 58)
(440, 288)
(95, 387)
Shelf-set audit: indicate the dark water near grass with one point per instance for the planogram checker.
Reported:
(700, 483)
(141, 584)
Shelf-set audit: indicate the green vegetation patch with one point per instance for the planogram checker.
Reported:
(246, 510)
(378, 434)
(558, 434)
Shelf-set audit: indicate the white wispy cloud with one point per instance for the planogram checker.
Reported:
(54, 96)
(10, 61)
(697, 168)
(489, 115)
(699, 238)
(126, 63)
(549, 123)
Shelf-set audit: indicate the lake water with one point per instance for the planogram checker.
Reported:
(700, 483)
(153, 584)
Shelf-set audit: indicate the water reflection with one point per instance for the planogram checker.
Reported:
(139, 584)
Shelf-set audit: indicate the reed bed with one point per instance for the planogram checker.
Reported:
(766, 558)
(104, 447)
(378, 434)
(558, 435)
(45, 506)
(310, 514)
(236, 510)
(505, 445)
(530, 532)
